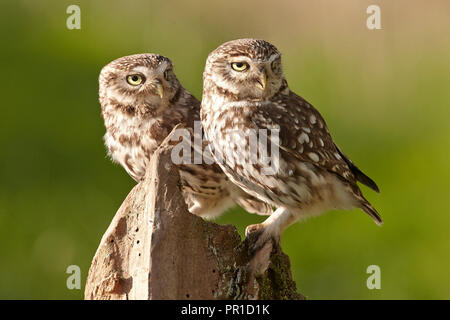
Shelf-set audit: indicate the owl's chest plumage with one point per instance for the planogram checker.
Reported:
(131, 140)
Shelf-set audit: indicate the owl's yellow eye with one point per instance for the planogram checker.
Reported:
(239, 66)
(135, 79)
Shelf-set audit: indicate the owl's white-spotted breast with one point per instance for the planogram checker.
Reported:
(142, 101)
(245, 92)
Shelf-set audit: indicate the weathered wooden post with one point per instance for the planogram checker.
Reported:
(155, 249)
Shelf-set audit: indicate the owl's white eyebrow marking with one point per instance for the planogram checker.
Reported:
(152, 72)
(140, 69)
(273, 57)
(162, 67)
(240, 58)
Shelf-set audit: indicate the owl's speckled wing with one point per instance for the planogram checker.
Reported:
(304, 135)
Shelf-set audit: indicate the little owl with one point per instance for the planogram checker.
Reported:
(142, 101)
(245, 91)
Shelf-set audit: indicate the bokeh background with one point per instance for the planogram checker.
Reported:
(384, 93)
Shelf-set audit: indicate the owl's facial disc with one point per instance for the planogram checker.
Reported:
(252, 78)
(151, 83)
(142, 82)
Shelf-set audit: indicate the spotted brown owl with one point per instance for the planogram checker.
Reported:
(244, 94)
(142, 101)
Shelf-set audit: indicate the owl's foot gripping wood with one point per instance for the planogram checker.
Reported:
(269, 230)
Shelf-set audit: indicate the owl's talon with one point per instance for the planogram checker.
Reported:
(253, 229)
(257, 235)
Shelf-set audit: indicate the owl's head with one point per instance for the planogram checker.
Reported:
(142, 82)
(245, 69)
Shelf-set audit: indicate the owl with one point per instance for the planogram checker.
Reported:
(141, 102)
(246, 97)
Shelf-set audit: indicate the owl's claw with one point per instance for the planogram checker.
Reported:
(258, 235)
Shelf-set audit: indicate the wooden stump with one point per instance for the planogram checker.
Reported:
(155, 249)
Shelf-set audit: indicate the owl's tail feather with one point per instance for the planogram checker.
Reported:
(372, 212)
(359, 175)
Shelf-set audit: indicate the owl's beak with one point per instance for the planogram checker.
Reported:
(261, 81)
(159, 89)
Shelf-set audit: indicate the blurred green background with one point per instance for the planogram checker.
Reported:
(384, 93)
